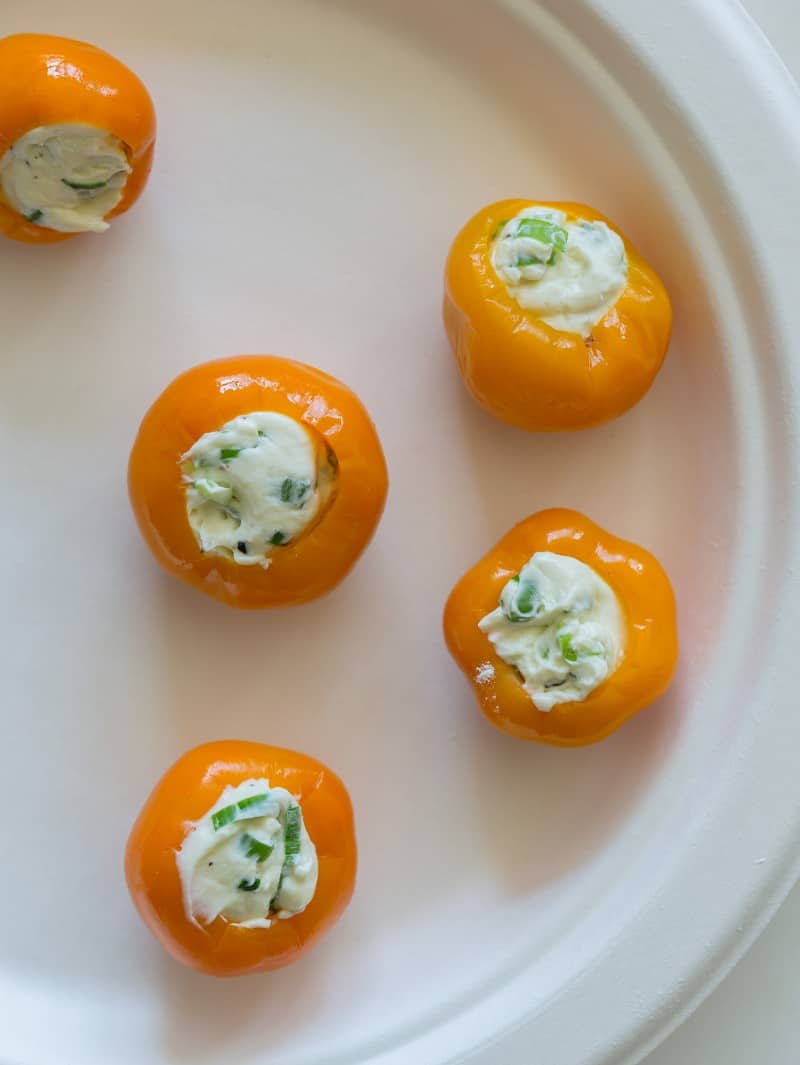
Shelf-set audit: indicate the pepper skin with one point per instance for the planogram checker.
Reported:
(185, 793)
(651, 640)
(53, 80)
(205, 398)
(533, 376)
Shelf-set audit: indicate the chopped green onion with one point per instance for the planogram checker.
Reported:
(294, 492)
(259, 801)
(34, 216)
(499, 228)
(211, 489)
(277, 539)
(84, 184)
(291, 848)
(525, 599)
(253, 806)
(229, 452)
(223, 817)
(254, 848)
(291, 839)
(523, 608)
(530, 260)
(273, 902)
(544, 231)
(567, 650)
(249, 885)
(261, 432)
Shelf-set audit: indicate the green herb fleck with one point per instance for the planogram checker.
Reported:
(34, 216)
(291, 839)
(84, 185)
(499, 228)
(223, 817)
(254, 801)
(521, 609)
(277, 539)
(294, 492)
(544, 231)
(530, 260)
(210, 489)
(525, 599)
(229, 452)
(254, 848)
(273, 902)
(545, 652)
(568, 652)
(249, 885)
(253, 806)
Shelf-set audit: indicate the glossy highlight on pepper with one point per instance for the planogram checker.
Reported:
(534, 376)
(183, 795)
(209, 396)
(650, 646)
(53, 81)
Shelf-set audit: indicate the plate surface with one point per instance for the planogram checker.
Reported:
(314, 162)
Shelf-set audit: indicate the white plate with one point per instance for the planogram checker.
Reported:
(314, 161)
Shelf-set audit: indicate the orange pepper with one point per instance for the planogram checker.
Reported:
(651, 643)
(205, 398)
(54, 80)
(185, 793)
(533, 376)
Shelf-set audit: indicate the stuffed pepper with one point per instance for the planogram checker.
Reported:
(555, 320)
(258, 480)
(243, 857)
(77, 133)
(563, 630)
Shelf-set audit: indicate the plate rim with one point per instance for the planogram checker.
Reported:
(658, 43)
(623, 1036)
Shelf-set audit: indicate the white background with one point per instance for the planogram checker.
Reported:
(754, 1016)
(750, 1020)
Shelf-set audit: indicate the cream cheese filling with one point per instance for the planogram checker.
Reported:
(560, 625)
(65, 177)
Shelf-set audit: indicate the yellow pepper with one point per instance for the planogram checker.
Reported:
(651, 640)
(47, 81)
(535, 376)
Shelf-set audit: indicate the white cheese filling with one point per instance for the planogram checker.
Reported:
(255, 485)
(569, 274)
(248, 859)
(66, 177)
(560, 626)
